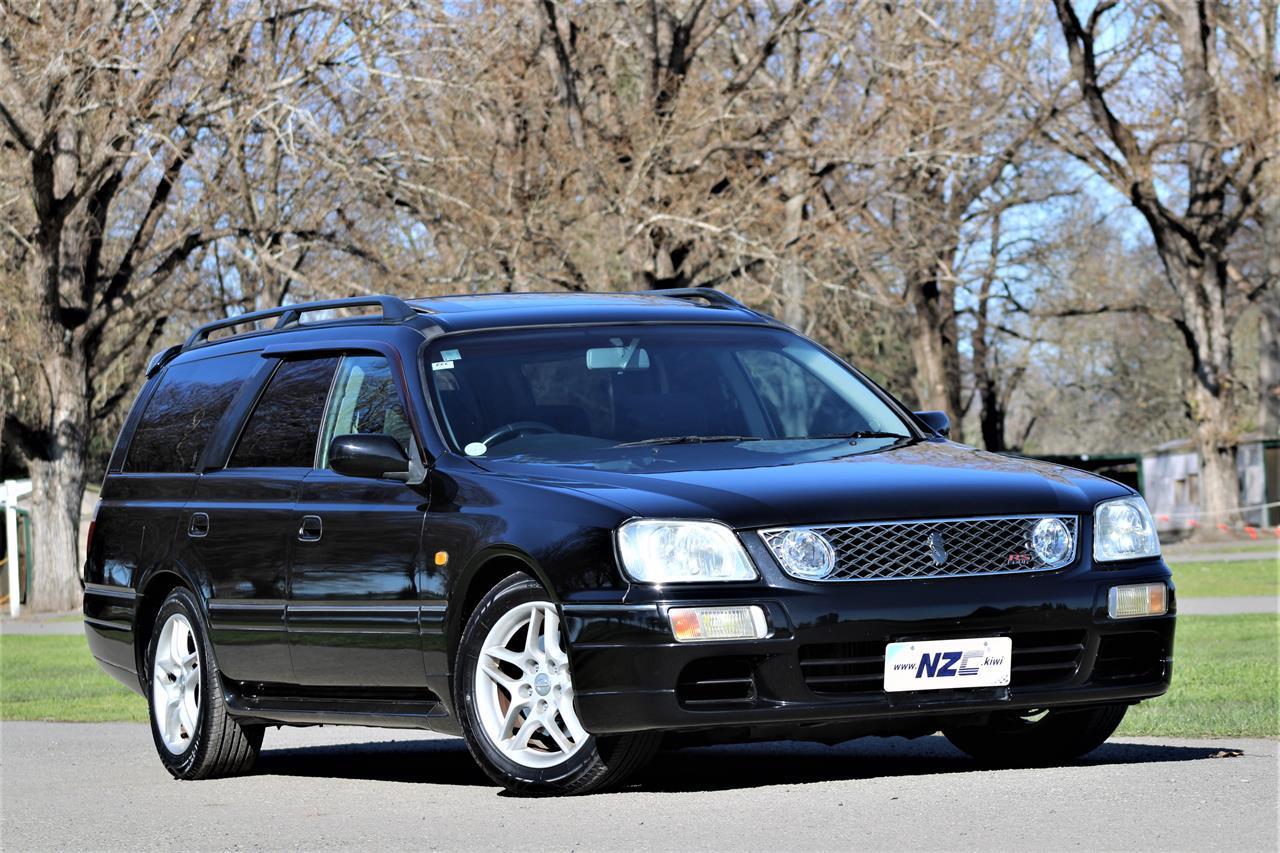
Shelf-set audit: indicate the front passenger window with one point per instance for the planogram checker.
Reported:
(365, 401)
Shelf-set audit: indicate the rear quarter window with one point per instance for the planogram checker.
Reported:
(183, 412)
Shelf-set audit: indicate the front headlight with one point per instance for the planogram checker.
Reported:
(1124, 530)
(655, 550)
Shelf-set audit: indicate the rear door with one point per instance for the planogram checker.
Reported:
(241, 526)
(353, 597)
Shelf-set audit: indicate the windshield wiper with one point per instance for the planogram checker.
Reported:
(688, 439)
(706, 439)
(849, 436)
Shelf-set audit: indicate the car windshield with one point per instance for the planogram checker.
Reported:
(566, 395)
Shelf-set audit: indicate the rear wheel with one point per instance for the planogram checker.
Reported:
(514, 693)
(194, 735)
(1038, 737)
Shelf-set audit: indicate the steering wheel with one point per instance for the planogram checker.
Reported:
(514, 428)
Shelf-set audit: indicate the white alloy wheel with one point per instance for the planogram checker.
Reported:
(175, 683)
(523, 690)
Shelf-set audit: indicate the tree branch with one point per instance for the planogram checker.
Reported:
(568, 77)
(20, 117)
(124, 272)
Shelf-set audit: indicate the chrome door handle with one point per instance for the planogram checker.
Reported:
(311, 528)
(199, 526)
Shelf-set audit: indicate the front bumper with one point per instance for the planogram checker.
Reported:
(823, 659)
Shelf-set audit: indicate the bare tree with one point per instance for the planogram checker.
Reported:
(995, 380)
(805, 155)
(960, 121)
(1188, 151)
(136, 136)
(1128, 371)
(604, 145)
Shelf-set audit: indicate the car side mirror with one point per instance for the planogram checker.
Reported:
(936, 421)
(371, 455)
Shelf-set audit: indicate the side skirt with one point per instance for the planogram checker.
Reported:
(421, 712)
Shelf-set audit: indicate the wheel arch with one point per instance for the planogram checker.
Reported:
(152, 593)
(483, 573)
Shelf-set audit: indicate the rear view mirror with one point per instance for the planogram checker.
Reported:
(936, 421)
(617, 358)
(371, 455)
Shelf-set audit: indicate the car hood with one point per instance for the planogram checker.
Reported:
(923, 479)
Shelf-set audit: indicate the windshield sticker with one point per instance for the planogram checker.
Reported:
(450, 355)
(475, 448)
(442, 365)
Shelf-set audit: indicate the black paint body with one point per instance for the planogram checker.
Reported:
(360, 625)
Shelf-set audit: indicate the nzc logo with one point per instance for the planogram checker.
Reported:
(948, 664)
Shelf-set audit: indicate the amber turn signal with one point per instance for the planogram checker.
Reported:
(1146, 599)
(717, 623)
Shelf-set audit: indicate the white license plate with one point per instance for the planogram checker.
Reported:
(947, 664)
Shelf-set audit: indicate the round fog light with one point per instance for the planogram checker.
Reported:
(1051, 541)
(806, 554)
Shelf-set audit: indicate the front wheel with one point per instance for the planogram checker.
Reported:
(194, 735)
(1038, 737)
(514, 694)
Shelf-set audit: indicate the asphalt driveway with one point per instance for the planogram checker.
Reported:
(99, 787)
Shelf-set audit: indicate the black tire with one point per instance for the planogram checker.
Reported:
(602, 763)
(219, 746)
(1061, 734)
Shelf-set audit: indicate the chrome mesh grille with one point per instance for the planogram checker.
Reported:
(896, 550)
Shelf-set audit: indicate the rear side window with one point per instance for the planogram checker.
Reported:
(182, 413)
(281, 432)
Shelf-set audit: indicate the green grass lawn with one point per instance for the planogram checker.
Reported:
(55, 678)
(1266, 544)
(1246, 577)
(1225, 682)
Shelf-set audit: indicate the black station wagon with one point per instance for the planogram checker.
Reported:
(566, 526)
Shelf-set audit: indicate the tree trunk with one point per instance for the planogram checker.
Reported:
(57, 480)
(793, 280)
(793, 288)
(1202, 284)
(991, 410)
(992, 417)
(933, 344)
(1269, 357)
(56, 454)
(57, 489)
(1219, 478)
(796, 180)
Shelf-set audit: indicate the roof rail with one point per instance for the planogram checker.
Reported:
(394, 309)
(715, 297)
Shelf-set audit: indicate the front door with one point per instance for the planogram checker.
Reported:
(353, 600)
